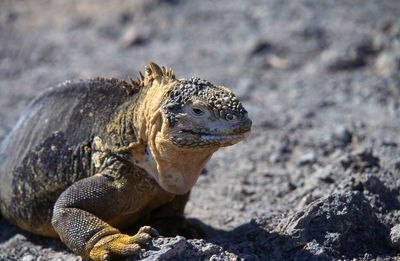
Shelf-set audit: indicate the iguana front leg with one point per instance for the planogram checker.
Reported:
(170, 221)
(79, 214)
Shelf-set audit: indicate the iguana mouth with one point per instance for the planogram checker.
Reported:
(207, 137)
(217, 132)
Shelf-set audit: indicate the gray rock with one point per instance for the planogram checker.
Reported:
(388, 63)
(348, 56)
(342, 136)
(28, 258)
(169, 248)
(307, 159)
(342, 222)
(395, 236)
(179, 248)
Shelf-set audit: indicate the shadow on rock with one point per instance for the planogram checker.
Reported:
(341, 225)
(382, 198)
(16, 244)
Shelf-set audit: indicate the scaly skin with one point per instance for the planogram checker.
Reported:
(90, 157)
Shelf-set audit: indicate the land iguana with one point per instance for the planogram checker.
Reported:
(90, 157)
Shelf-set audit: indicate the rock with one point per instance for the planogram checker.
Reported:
(388, 63)
(28, 258)
(387, 41)
(381, 198)
(361, 160)
(282, 152)
(339, 224)
(342, 136)
(315, 251)
(278, 62)
(167, 248)
(133, 36)
(178, 248)
(261, 47)
(308, 158)
(348, 56)
(325, 175)
(395, 236)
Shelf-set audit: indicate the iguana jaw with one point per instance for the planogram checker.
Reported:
(177, 168)
(217, 133)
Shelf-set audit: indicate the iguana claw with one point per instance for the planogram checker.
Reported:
(121, 244)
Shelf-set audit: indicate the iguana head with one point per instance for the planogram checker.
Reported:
(200, 115)
(183, 122)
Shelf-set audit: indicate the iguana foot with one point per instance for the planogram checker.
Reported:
(178, 225)
(118, 245)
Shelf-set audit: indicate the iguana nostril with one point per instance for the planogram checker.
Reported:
(229, 117)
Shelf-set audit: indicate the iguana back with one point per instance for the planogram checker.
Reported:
(49, 148)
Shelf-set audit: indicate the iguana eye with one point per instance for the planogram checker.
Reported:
(198, 111)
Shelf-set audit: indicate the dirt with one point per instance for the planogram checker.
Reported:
(319, 177)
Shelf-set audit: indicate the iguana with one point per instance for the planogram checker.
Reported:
(90, 157)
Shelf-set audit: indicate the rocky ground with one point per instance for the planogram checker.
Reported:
(319, 177)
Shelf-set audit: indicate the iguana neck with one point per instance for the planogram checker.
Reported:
(148, 112)
(130, 125)
(175, 169)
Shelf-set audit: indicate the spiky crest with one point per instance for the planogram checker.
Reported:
(168, 72)
(154, 72)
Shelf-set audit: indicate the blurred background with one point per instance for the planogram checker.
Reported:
(320, 80)
(243, 45)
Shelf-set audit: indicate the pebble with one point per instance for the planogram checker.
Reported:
(308, 158)
(28, 258)
(395, 236)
